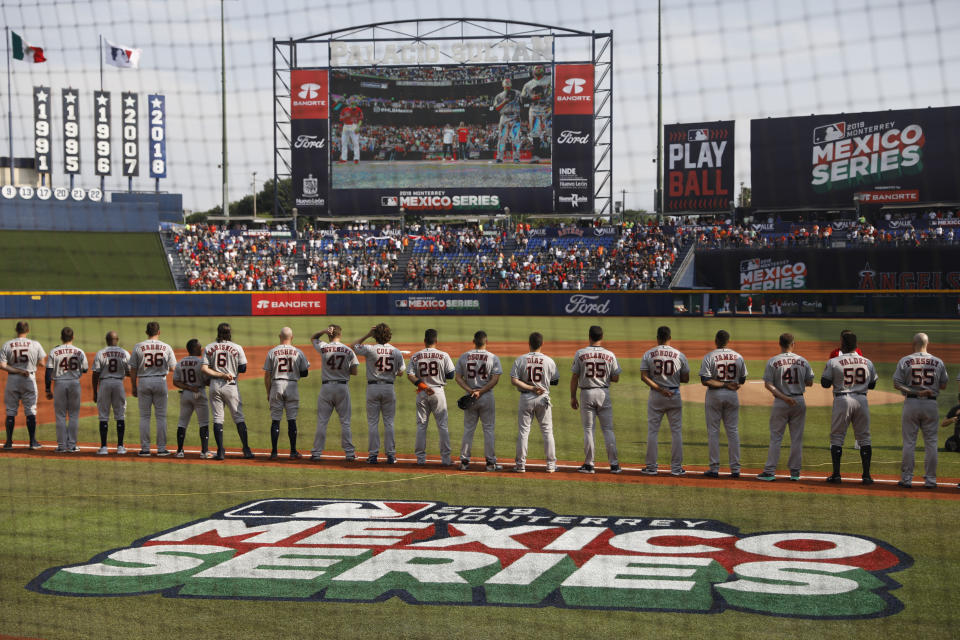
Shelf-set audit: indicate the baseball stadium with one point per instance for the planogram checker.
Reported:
(663, 347)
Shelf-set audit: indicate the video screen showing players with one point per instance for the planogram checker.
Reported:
(433, 127)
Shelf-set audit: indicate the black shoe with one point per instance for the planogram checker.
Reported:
(834, 478)
(908, 485)
(273, 455)
(734, 474)
(247, 453)
(391, 459)
(585, 468)
(372, 459)
(295, 455)
(711, 474)
(866, 479)
(220, 455)
(8, 445)
(350, 458)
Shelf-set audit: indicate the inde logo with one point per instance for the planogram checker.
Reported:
(431, 552)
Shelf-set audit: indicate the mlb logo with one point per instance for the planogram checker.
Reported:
(750, 265)
(829, 132)
(698, 135)
(389, 201)
(402, 304)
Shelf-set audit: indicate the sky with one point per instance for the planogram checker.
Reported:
(722, 60)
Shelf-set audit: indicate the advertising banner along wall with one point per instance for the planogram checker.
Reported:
(823, 161)
(873, 269)
(698, 167)
(309, 106)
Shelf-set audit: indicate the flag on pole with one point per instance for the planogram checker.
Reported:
(22, 50)
(121, 56)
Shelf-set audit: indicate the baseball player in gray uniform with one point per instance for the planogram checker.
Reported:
(338, 362)
(723, 372)
(594, 368)
(507, 104)
(850, 376)
(283, 367)
(533, 374)
(110, 366)
(428, 370)
(150, 363)
(477, 372)
(65, 364)
(188, 376)
(20, 358)
(223, 361)
(384, 366)
(664, 369)
(921, 377)
(786, 376)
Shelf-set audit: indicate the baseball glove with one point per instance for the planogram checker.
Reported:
(466, 402)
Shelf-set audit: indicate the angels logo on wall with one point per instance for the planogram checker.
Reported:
(866, 277)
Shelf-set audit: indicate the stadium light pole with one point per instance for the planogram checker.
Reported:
(254, 194)
(658, 205)
(223, 113)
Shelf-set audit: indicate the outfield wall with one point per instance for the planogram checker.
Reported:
(521, 303)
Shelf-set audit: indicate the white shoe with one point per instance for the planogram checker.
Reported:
(121, 450)
(178, 454)
(205, 455)
(648, 471)
(102, 451)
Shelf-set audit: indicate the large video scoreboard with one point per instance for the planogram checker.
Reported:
(387, 140)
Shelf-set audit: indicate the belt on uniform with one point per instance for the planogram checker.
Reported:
(795, 395)
(379, 382)
(914, 396)
(604, 387)
(334, 382)
(669, 388)
(850, 393)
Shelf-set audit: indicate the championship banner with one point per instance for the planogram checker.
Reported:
(71, 131)
(157, 117)
(309, 154)
(870, 269)
(573, 138)
(906, 156)
(42, 153)
(101, 118)
(698, 166)
(131, 134)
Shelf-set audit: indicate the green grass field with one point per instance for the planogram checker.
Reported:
(57, 511)
(73, 261)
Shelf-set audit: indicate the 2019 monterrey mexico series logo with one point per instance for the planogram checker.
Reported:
(434, 553)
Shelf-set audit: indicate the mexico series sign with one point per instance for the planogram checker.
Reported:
(904, 156)
(430, 552)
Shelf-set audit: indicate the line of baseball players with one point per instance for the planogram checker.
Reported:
(919, 376)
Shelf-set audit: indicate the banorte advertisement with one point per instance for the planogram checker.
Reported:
(309, 108)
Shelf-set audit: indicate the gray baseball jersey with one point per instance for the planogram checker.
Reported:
(384, 361)
(538, 370)
(68, 364)
(22, 353)
(851, 376)
(111, 364)
(510, 111)
(225, 357)
(542, 88)
(336, 359)
(432, 366)
(723, 405)
(789, 374)
(152, 360)
(594, 366)
(285, 362)
(920, 372)
(189, 371)
(476, 367)
(384, 364)
(665, 366)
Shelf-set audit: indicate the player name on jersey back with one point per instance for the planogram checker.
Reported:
(224, 357)
(189, 371)
(477, 367)
(431, 366)
(384, 361)
(336, 360)
(67, 361)
(111, 362)
(535, 369)
(285, 362)
(921, 372)
(152, 358)
(595, 366)
(22, 353)
(665, 365)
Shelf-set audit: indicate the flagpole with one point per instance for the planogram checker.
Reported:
(100, 35)
(6, 30)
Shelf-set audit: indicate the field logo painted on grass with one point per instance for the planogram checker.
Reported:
(431, 552)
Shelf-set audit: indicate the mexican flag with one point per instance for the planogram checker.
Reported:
(22, 50)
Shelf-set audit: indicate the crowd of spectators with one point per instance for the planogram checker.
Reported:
(374, 102)
(389, 142)
(215, 260)
(460, 74)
